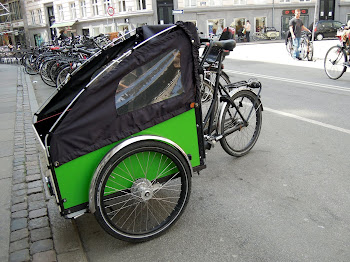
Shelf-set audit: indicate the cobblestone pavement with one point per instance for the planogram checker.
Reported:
(30, 232)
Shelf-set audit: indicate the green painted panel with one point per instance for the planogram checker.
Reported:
(75, 176)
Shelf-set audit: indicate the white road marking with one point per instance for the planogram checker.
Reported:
(347, 131)
(343, 130)
(295, 81)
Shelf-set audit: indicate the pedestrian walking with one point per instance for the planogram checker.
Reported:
(295, 27)
(247, 28)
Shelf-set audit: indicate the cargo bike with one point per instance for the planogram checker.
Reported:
(123, 134)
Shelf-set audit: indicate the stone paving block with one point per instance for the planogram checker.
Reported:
(38, 223)
(36, 205)
(19, 234)
(48, 256)
(35, 197)
(41, 246)
(19, 214)
(19, 192)
(20, 256)
(35, 190)
(18, 186)
(18, 223)
(20, 199)
(18, 207)
(38, 183)
(33, 171)
(40, 234)
(18, 180)
(34, 177)
(38, 213)
(19, 245)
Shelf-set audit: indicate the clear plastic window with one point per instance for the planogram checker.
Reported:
(156, 81)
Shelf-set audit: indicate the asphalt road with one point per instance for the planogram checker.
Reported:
(287, 200)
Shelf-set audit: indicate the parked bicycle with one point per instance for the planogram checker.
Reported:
(270, 33)
(231, 113)
(306, 48)
(337, 57)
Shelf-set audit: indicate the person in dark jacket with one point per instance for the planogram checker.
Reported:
(63, 34)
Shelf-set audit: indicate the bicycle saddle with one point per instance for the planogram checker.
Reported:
(225, 44)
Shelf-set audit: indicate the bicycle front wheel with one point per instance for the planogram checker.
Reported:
(334, 62)
(245, 118)
(142, 190)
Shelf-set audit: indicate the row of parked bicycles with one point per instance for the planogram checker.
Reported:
(129, 124)
(54, 61)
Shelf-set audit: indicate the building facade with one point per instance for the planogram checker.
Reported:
(212, 16)
(39, 21)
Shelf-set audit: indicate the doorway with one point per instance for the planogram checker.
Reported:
(327, 9)
(165, 11)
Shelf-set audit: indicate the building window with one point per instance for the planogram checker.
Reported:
(190, 3)
(15, 10)
(239, 24)
(239, 2)
(122, 7)
(141, 4)
(96, 31)
(73, 10)
(284, 1)
(32, 14)
(86, 32)
(215, 26)
(260, 24)
(60, 13)
(95, 7)
(108, 29)
(305, 0)
(40, 15)
(215, 2)
(83, 8)
(106, 4)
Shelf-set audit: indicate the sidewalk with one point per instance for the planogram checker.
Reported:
(25, 227)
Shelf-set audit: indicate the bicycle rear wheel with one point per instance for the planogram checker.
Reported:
(246, 118)
(334, 62)
(142, 191)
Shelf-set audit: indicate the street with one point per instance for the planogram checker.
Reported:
(287, 200)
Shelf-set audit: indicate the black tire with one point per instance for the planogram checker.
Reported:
(44, 72)
(334, 62)
(29, 66)
(142, 191)
(62, 74)
(241, 141)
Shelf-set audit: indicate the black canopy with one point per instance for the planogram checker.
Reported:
(155, 82)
